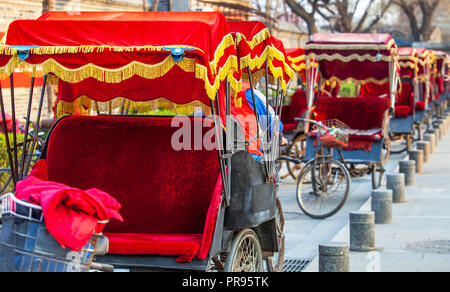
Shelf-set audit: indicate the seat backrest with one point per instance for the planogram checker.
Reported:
(362, 113)
(406, 96)
(161, 190)
(297, 106)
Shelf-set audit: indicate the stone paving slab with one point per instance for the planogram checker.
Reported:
(423, 218)
(303, 233)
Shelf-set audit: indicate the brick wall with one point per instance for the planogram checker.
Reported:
(31, 9)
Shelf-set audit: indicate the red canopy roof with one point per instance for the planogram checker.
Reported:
(112, 47)
(296, 60)
(255, 45)
(408, 61)
(361, 57)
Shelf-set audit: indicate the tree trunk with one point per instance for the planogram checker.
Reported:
(307, 17)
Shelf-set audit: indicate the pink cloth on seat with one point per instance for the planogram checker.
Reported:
(71, 215)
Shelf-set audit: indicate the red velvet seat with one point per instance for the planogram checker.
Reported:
(404, 104)
(294, 110)
(169, 198)
(364, 114)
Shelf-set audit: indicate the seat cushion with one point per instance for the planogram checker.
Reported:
(186, 246)
(420, 105)
(402, 111)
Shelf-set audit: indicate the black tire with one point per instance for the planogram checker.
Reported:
(275, 263)
(296, 149)
(313, 184)
(239, 261)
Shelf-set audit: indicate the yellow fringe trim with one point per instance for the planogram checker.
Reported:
(51, 66)
(134, 68)
(86, 106)
(345, 47)
(353, 57)
(297, 59)
(256, 40)
(362, 82)
(7, 70)
(298, 68)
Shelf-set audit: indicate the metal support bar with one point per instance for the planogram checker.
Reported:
(13, 116)
(27, 127)
(36, 127)
(8, 145)
(219, 150)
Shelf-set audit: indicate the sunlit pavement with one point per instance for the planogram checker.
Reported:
(417, 240)
(303, 234)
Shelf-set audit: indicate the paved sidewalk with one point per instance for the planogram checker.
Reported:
(406, 245)
(304, 233)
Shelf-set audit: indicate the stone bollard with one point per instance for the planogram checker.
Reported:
(442, 129)
(396, 183)
(408, 169)
(431, 138)
(435, 133)
(438, 132)
(333, 257)
(382, 206)
(425, 147)
(362, 231)
(441, 123)
(417, 155)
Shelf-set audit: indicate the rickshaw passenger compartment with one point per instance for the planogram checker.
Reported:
(365, 116)
(362, 113)
(169, 198)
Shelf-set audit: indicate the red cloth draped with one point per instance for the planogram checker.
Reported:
(71, 215)
(245, 116)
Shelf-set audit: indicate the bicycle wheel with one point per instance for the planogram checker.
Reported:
(296, 149)
(6, 180)
(275, 263)
(323, 188)
(245, 254)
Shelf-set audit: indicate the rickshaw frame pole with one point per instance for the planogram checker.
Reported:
(8, 145)
(13, 115)
(27, 126)
(229, 134)
(257, 119)
(219, 149)
(267, 99)
(36, 128)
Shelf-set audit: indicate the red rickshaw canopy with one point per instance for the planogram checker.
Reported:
(255, 45)
(116, 51)
(353, 57)
(408, 62)
(425, 63)
(296, 60)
